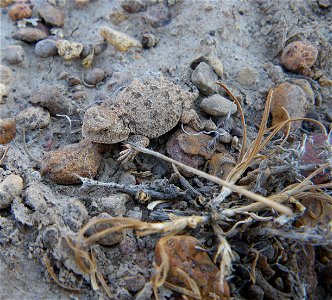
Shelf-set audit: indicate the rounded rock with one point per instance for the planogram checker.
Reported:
(64, 165)
(133, 6)
(94, 76)
(50, 97)
(134, 283)
(75, 215)
(293, 99)
(204, 77)
(30, 35)
(34, 117)
(299, 56)
(5, 75)
(148, 40)
(10, 187)
(69, 50)
(52, 15)
(20, 11)
(306, 87)
(247, 76)
(7, 130)
(46, 48)
(216, 105)
(13, 54)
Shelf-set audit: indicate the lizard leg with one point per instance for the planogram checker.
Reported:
(129, 153)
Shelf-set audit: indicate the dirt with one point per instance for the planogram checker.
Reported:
(247, 37)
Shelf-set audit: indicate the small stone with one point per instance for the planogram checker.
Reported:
(50, 97)
(30, 35)
(33, 117)
(63, 165)
(100, 48)
(73, 80)
(158, 15)
(13, 54)
(299, 56)
(133, 6)
(216, 105)
(69, 50)
(182, 254)
(52, 15)
(247, 76)
(119, 40)
(306, 87)
(117, 17)
(10, 187)
(74, 215)
(324, 3)
(5, 75)
(293, 99)
(134, 283)
(4, 91)
(127, 179)
(20, 11)
(7, 130)
(46, 48)
(94, 76)
(324, 81)
(276, 74)
(148, 40)
(110, 239)
(204, 77)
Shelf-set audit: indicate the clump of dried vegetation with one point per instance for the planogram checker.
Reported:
(253, 214)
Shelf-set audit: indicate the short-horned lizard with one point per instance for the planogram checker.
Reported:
(141, 111)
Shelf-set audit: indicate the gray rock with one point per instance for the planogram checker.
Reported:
(276, 74)
(50, 236)
(134, 283)
(50, 97)
(94, 76)
(46, 48)
(114, 205)
(33, 117)
(13, 54)
(247, 76)
(204, 77)
(10, 187)
(216, 105)
(30, 35)
(306, 87)
(52, 15)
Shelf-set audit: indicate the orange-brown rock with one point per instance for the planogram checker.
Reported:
(62, 165)
(221, 164)
(183, 255)
(292, 98)
(299, 56)
(20, 11)
(7, 130)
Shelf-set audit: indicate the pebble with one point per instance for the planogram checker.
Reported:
(114, 205)
(299, 56)
(324, 81)
(46, 48)
(204, 77)
(293, 99)
(134, 283)
(133, 6)
(10, 187)
(247, 76)
(310, 94)
(148, 40)
(5, 75)
(119, 40)
(33, 117)
(4, 91)
(52, 15)
(94, 76)
(20, 11)
(182, 254)
(127, 179)
(158, 15)
(36, 195)
(69, 50)
(216, 105)
(13, 54)
(324, 3)
(110, 239)
(50, 97)
(73, 80)
(276, 74)
(221, 164)
(30, 35)
(75, 215)
(7, 130)
(62, 165)
(100, 48)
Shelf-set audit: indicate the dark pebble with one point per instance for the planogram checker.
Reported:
(133, 6)
(94, 76)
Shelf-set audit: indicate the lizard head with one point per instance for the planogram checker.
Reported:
(104, 125)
